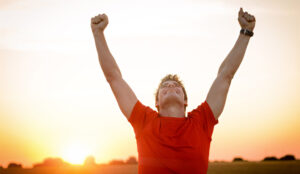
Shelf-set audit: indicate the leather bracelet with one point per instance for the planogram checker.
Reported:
(246, 32)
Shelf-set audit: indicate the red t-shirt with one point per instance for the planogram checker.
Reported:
(172, 145)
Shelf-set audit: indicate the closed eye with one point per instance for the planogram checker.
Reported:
(167, 84)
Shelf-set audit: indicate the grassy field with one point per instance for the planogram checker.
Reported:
(267, 167)
(276, 167)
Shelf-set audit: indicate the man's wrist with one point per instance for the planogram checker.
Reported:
(98, 34)
(246, 32)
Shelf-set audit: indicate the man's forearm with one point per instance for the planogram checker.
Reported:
(107, 61)
(233, 60)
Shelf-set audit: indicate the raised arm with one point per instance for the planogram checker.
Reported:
(217, 94)
(123, 93)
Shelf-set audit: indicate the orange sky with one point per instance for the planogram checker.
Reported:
(54, 99)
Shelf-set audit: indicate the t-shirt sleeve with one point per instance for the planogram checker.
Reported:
(205, 117)
(140, 116)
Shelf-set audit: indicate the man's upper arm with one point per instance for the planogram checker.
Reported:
(124, 95)
(217, 94)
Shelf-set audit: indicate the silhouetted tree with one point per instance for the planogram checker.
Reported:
(89, 161)
(131, 160)
(52, 162)
(237, 159)
(287, 157)
(270, 158)
(116, 162)
(14, 165)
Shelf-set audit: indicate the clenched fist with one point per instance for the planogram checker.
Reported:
(98, 23)
(246, 20)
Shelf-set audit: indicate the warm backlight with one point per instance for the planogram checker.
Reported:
(76, 154)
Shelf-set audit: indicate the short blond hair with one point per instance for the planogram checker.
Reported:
(170, 77)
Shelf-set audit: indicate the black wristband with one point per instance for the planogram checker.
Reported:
(246, 32)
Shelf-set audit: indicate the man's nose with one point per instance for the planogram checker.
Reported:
(171, 85)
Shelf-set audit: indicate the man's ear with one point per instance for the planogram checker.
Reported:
(156, 104)
(185, 103)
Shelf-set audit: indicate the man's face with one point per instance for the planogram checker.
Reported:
(170, 92)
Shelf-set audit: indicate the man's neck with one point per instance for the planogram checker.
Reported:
(172, 111)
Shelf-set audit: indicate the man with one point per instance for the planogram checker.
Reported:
(167, 140)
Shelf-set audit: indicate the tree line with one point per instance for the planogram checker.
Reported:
(90, 162)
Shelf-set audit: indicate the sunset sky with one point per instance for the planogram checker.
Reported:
(55, 101)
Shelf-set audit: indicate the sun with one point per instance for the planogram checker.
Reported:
(75, 154)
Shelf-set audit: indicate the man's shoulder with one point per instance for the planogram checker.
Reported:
(140, 110)
(197, 110)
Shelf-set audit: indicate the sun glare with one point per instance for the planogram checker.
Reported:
(76, 154)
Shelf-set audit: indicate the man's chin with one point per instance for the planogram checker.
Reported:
(172, 99)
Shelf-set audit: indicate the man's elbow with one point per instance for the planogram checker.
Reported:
(226, 74)
(112, 76)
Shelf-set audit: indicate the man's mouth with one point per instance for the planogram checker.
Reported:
(172, 90)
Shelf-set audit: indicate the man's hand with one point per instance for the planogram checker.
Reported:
(98, 23)
(246, 20)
